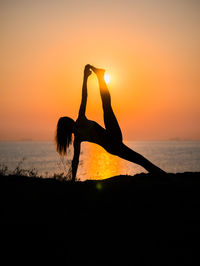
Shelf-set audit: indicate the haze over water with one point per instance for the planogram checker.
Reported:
(95, 163)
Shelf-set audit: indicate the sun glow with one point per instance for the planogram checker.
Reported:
(107, 78)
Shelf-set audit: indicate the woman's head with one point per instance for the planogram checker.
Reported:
(65, 128)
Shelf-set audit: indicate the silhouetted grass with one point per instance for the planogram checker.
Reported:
(19, 170)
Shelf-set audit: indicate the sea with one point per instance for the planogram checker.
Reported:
(40, 157)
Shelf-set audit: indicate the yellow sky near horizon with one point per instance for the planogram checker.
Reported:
(150, 49)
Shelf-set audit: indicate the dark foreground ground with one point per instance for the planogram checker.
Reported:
(142, 219)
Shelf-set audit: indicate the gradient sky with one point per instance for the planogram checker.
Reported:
(150, 48)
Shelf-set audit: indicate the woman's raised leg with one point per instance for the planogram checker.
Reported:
(110, 120)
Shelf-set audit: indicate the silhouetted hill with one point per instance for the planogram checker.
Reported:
(138, 219)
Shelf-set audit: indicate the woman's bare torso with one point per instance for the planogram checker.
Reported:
(88, 130)
(91, 131)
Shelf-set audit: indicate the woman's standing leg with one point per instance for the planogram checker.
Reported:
(128, 154)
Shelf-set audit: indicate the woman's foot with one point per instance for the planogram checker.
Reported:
(98, 71)
(158, 171)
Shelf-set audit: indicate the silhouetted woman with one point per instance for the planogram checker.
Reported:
(110, 137)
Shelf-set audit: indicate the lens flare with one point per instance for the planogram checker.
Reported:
(107, 78)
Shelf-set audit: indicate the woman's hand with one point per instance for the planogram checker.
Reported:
(98, 71)
(87, 71)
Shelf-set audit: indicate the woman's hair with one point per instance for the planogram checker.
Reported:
(64, 134)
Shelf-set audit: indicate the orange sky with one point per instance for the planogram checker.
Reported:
(150, 49)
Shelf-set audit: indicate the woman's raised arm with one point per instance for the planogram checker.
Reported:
(87, 73)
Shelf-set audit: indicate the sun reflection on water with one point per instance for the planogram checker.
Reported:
(100, 164)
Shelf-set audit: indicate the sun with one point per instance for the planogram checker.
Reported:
(107, 78)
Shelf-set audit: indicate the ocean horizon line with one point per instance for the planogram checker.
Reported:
(125, 140)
